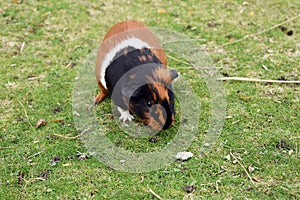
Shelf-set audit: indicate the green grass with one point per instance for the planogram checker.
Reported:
(262, 129)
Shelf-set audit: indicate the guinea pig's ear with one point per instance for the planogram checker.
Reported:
(173, 74)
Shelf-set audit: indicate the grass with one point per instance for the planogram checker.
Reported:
(36, 81)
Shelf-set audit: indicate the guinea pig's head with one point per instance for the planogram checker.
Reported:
(153, 102)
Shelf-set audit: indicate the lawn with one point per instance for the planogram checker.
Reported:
(45, 47)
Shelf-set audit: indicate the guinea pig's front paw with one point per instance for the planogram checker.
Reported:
(125, 115)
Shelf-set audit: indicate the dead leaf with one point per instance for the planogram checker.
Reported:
(33, 76)
(161, 11)
(282, 28)
(58, 120)
(82, 156)
(67, 165)
(230, 37)
(290, 33)
(17, 1)
(40, 123)
(245, 97)
(153, 140)
(55, 159)
(56, 110)
(189, 188)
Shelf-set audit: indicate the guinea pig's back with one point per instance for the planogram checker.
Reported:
(121, 36)
(134, 65)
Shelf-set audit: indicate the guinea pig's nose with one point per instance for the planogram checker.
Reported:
(159, 116)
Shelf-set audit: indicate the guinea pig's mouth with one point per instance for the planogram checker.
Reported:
(160, 118)
(157, 125)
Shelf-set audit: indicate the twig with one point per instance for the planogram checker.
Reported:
(36, 154)
(156, 195)
(261, 32)
(66, 137)
(22, 47)
(256, 80)
(37, 179)
(292, 138)
(20, 178)
(181, 61)
(2, 148)
(250, 178)
(217, 186)
(71, 138)
(184, 40)
(26, 114)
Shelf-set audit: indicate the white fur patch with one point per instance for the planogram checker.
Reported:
(133, 41)
(125, 115)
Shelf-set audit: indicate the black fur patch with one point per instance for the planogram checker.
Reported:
(122, 63)
(136, 86)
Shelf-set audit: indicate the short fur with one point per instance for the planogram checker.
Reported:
(137, 79)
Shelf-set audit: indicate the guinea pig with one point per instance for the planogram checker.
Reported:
(131, 69)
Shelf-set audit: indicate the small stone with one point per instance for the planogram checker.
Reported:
(251, 169)
(227, 157)
(122, 161)
(184, 155)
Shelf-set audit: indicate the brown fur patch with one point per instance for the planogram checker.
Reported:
(150, 58)
(142, 50)
(162, 91)
(102, 94)
(125, 51)
(159, 113)
(120, 32)
(154, 125)
(162, 75)
(154, 97)
(132, 76)
(142, 58)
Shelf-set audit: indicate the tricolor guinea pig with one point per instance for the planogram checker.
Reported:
(131, 68)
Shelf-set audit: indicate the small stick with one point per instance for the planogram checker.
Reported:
(71, 138)
(2, 148)
(20, 178)
(36, 154)
(256, 80)
(66, 137)
(156, 195)
(261, 32)
(292, 138)
(38, 179)
(243, 168)
(178, 60)
(22, 47)
(217, 186)
(26, 115)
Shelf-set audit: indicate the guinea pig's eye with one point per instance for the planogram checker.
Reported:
(148, 103)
